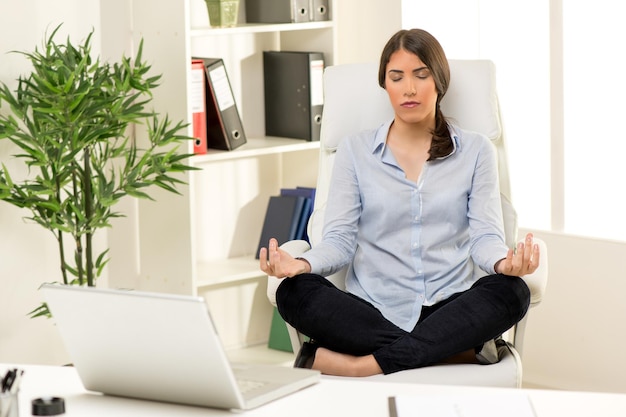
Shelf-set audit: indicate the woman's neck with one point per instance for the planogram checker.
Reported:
(415, 133)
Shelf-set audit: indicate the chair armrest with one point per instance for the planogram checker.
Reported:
(294, 248)
(538, 280)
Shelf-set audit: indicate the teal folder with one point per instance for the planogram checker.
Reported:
(279, 336)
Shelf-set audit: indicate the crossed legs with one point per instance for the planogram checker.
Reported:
(355, 339)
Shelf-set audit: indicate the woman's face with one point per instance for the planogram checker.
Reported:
(411, 89)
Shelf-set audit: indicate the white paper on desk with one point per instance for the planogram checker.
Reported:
(513, 404)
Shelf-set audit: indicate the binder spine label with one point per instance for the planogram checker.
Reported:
(317, 82)
(196, 93)
(223, 93)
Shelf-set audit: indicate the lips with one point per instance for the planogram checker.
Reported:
(410, 104)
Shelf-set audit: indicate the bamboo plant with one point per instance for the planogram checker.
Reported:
(73, 120)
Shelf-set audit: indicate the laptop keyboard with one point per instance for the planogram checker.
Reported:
(246, 385)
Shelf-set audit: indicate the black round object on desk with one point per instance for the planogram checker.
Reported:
(48, 406)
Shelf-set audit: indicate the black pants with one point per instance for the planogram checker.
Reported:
(345, 323)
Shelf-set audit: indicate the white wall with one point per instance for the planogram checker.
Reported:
(363, 31)
(28, 254)
(575, 338)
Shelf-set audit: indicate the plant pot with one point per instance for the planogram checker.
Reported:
(223, 13)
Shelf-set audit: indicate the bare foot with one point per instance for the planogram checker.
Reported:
(340, 364)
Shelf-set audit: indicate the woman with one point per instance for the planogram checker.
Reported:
(412, 207)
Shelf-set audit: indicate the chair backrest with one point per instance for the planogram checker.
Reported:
(354, 101)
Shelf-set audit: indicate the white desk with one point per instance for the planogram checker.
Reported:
(331, 397)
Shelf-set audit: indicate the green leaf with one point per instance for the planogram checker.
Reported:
(73, 120)
(40, 311)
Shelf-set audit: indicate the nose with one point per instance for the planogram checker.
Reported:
(410, 89)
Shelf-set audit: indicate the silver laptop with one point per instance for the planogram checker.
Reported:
(160, 347)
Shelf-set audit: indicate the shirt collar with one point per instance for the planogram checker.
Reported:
(380, 141)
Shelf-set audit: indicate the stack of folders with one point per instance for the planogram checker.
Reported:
(287, 216)
(287, 11)
(216, 120)
(286, 219)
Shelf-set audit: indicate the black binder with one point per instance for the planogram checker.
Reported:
(224, 126)
(294, 96)
(278, 11)
(319, 10)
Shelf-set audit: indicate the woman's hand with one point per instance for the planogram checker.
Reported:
(276, 262)
(522, 261)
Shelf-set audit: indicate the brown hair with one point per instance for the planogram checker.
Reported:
(430, 52)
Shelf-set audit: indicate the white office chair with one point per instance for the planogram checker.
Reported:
(353, 102)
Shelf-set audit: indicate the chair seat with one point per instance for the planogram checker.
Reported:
(507, 373)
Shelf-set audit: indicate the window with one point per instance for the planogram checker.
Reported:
(594, 88)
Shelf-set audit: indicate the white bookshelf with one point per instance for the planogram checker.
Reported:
(203, 242)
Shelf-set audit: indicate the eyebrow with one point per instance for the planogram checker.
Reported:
(414, 71)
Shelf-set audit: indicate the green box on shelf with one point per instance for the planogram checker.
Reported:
(223, 13)
(279, 337)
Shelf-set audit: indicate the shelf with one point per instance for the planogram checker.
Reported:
(259, 28)
(257, 147)
(228, 271)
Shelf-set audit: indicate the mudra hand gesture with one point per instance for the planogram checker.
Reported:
(523, 261)
(276, 262)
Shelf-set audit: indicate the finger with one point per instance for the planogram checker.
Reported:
(534, 263)
(273, 253)
(263, 263)
(518, 258)
(528, 249)
(275, 258)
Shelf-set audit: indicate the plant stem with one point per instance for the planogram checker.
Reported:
(60, 233)
(88, 200)
(78, 252)
(62, 254)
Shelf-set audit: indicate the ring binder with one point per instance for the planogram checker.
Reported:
(198, 106)
(320, 10)
(224, 127)
(278, 11)
(294, 96)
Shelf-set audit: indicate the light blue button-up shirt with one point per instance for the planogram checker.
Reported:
(410, 244)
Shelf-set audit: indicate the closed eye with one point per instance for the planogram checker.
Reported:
(422, 73)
